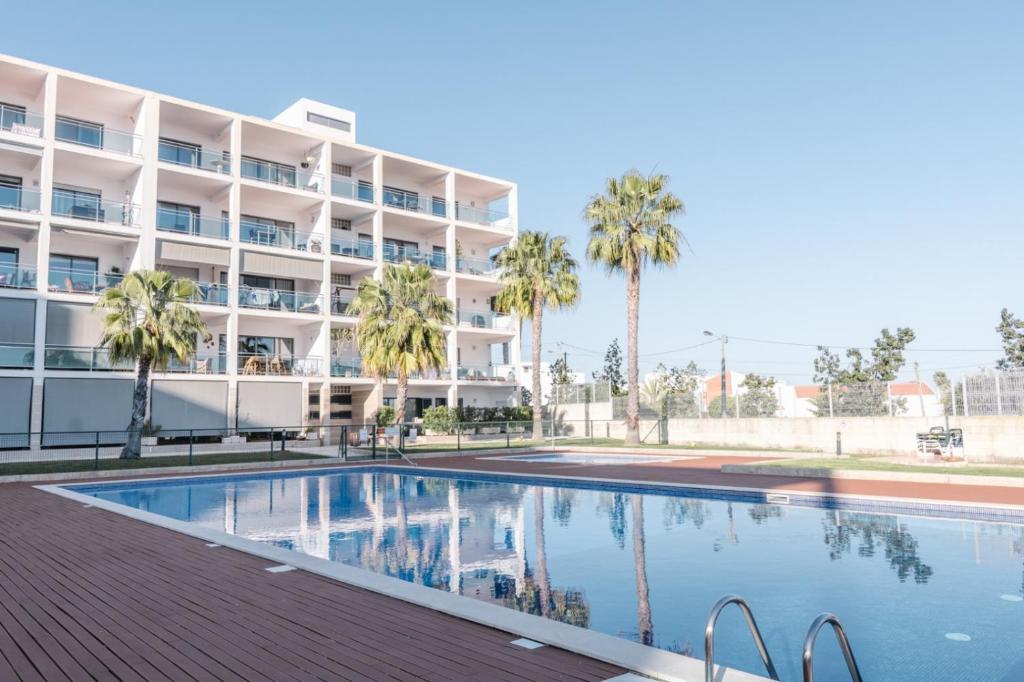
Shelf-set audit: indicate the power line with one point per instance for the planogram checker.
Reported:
(829, 346)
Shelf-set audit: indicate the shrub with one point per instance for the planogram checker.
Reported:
(440, 419)
(385, 416)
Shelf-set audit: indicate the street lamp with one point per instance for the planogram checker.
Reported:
(724, 339)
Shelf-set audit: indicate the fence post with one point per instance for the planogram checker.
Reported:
(96, 464)
(271, 445)
(190, 440)
(508, 435)
(591, 431)
(963, 385)
(831, 413)
(458, 436)
(373, 442)
(999, 397)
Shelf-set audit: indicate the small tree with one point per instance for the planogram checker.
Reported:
(859, 389)
(612, 371)
(759, 400)
(561, 375)
(1011, 331)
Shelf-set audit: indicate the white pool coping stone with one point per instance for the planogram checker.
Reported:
(868, 475)
(654, 663)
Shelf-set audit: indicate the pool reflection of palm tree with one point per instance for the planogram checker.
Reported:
(543, 581)
(645, 625)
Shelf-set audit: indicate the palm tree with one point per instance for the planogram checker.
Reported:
(644, 623)
(537, 272)
(149, 321)
(401, 326)
(630, 226)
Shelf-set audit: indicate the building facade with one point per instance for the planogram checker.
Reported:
(277, 221)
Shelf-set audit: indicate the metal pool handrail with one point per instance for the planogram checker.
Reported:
(748, 615)
(844, 645)
(388, 446)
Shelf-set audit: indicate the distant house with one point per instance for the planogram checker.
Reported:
(908, 397)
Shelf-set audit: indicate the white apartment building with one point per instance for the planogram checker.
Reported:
(277, 221)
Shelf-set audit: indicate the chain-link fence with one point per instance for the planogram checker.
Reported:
(989, 394)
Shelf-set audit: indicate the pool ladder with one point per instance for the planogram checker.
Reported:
(762, 649)
(388, 446)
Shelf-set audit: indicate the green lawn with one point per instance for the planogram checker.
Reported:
(582, 441)
(24, 468)
(877, 464)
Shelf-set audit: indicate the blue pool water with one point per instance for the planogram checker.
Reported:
(922, 599)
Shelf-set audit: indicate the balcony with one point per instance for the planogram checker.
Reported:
(349, 188)
(281, 175)
(484, 319)
(18, 120)
(276, 299)
(192, 156)
(408, 201)
(191, 223)
(483, 267)
(82, 281)
(208, 293)
(98, 137)
(17, 276)
(348, 368)
(200, 363)
(90, 207)
(408, 254)
(486, 373)
(263, 234)
(340, 304)
(262, 364)
(83, 358)
(17, 355)
(15, 198)
(480, 216)
(353, 248)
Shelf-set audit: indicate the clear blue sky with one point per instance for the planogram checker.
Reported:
(845, 166)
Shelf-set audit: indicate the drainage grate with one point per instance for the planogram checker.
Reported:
(777, 498)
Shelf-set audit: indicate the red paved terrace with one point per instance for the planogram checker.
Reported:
(89, 594)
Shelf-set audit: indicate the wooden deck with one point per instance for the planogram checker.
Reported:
(86, 594)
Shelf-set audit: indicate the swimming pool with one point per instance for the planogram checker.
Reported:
(921, 598)
(590, 458)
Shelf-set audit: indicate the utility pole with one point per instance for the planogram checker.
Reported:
(725, 404)
(920, 386)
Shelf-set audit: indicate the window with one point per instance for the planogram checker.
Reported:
(314, 404)
(341, 224)
(341, 279)
(277, 173)
(261, 282)
(11, 115)
(438, 206)
(267, 231)
(79, 132)
(329, 122)
(341, 402)
(177, 217)
(74, 273)
(341, 169)
(77, 203)
(397, 250)
(181, 153)
(439, 258)
(10, 192)
(8, 266)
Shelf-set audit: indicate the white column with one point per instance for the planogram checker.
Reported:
(145, 254)
(378, 216)
(234, 260)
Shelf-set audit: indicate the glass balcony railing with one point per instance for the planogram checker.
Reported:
(19, 199)
(351, 188)
(279, 237)
(194, 157)
(192, 224)
(98, 137)
(91, 208)
(480, 216)
(403, 254)
(208, 293)
(20, 121)
(484, 319)
(475, 266)
(353, 248)
(17, 355)
(264, 364)
(346, 367)
(276, 299)
(279, 174)
(340, 304)
(82, 281)
(409, 201)
(17, 276)
(83, 358)
(484, 373)
(200, 363)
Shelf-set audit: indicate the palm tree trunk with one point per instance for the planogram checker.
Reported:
(133, 448)
(632, 371)
(542, 579)
(401, 395)
(535, 329)
(644, 624)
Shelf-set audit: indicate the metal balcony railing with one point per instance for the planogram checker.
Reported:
(84, 207)
(282, 175)
(194, 157)
(17, 355)
(276, 299)
(83, 358)
(17, 276)
(279, 237)
(266, 364)
(402, 254)
(408, 201)
(340, 304)
(82, 281)
(351, 188)
(480, 216)
(21, 121)
(210, 293)
(483, 267)
(353, 248)
(346, 367)
(483, 373)
(15, 198)
(98, 137)
(484, 319)
(200, 363)
(190, 223)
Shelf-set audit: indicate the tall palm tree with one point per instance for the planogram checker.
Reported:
(401, 326)
(149, 321)
(537, 272)
(630, 226)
